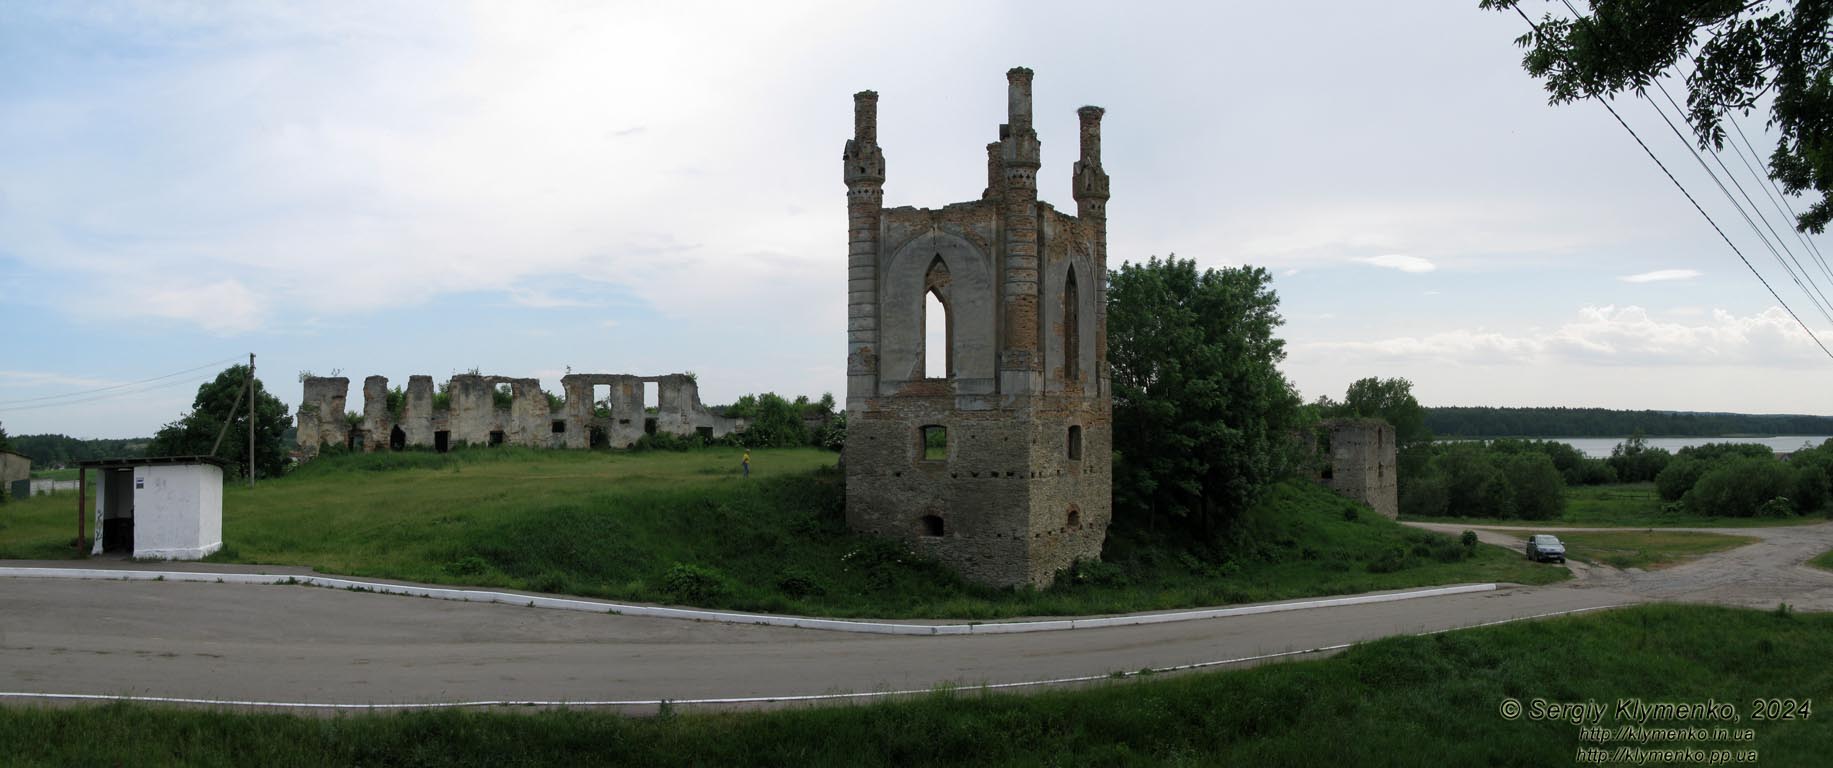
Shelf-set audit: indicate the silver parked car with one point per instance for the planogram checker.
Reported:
(1542, 547)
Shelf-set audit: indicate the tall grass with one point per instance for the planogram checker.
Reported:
(688, 528)
(1402, 701)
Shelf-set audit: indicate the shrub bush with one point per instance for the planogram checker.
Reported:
(1679, 476)
(693, 584)
(1739, 487)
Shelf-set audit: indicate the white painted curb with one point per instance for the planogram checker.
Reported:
(730, 617)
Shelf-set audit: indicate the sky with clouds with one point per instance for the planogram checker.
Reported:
(398, 188)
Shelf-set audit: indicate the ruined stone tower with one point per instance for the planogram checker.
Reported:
(998, 463)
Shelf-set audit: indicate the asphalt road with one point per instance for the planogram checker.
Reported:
(300, 644)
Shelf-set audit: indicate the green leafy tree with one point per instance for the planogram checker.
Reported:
(1203, 419)
(6, 444)
(195, 432)
(1740, 52)
(770, 420)
(1740, 487)
(1635, 462)
(1390, 400)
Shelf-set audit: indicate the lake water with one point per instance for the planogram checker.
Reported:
(1600, 447)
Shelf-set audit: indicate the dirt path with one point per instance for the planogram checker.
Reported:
(1759, 575)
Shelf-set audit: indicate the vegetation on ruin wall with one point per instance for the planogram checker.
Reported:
(686, 528)
(1430, 700)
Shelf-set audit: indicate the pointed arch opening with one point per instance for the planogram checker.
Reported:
(1072, 327)
(938, 323)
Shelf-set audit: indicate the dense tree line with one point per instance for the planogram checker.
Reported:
(52, 451)
(1483, 421)
(1741, 480)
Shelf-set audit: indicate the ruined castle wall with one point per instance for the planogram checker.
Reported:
(320, 419)
(417, 412)
(1024, 488)
(1361, 462)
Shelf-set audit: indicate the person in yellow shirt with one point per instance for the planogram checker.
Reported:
(746, 462)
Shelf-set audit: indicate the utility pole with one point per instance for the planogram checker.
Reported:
(251, 420)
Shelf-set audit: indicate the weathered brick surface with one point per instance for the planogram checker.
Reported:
(1014, 507)
(473, 417)
(1359, 463)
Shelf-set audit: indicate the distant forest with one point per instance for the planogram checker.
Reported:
(1603, 422)
(52, 451)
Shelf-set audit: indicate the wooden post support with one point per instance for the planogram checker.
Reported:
(82, 502)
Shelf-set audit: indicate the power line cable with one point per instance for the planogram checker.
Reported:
(108, 396)
(1780, 198)
(1696, 207)
(1819, 303)
(119, 386)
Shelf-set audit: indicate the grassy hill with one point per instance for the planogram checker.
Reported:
(686, 528)
(1434, 700)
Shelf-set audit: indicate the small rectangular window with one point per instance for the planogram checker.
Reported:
(935, 443)
(1075, 443)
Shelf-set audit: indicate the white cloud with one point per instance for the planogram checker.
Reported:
(1399, 261)
(1661, 275)
(1607, 335)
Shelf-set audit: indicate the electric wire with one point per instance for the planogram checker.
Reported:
(1780, 198)
(118, 386)
(1821, 303)
(1697, 207)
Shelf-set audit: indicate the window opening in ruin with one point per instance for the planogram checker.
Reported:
(1075, 517)
(1072, 338)
(601, 401)
(596, 437)
(1075, 443)
(935, 443)
(442, 441)
(933, 526)
(652, 397)
(496, 437)
(558, 427)
(397, 439)
(935, 337)
(502, 396)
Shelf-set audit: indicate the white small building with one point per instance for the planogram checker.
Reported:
(166, 508)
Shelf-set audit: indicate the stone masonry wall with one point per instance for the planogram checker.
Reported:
(1022, 489)
(471, 416)
(1359, 462)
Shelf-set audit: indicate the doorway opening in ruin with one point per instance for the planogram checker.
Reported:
(354, 441)
(596, 437)
(117, 489)
(397, 439)
(601, 401)
(1072, 339)
(933, 526)
(934, 442)
(652, 398)
(442, 441)
(558, 427)
(649, 425)
(496, 437)
(705, 433)
(1075, 443)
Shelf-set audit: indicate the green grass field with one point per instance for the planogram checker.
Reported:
(1646, 549)
(1824, 561)
(1630, 505)
(686, 528)
(1433, 700)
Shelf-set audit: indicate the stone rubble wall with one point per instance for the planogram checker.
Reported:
(1361, 463)
(472, 417)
